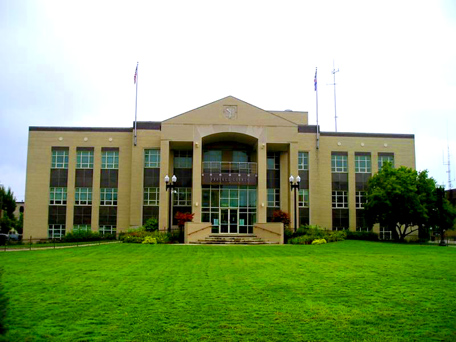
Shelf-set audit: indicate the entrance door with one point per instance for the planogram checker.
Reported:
(228, 221)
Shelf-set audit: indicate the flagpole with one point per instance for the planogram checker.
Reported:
(136, 101)
(316, 99)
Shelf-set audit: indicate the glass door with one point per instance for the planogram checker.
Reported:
(228, 221)
(224, 221)
(233, 221)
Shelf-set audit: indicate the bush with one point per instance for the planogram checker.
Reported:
(151, 225)
(281, 216)
(318, 242)
(307, 234)
(86, 235)
(368, 236)
(140, 234)
(150, 240)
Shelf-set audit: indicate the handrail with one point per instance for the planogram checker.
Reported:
(267, 230)
(199, 230)
(229, 167)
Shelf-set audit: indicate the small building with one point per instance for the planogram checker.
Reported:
(232, 161)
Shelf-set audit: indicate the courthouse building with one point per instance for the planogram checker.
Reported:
(232, 161)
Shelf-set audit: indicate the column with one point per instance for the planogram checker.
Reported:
(196, 180)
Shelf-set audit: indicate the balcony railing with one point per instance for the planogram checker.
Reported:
(229, 173)
(230, 167)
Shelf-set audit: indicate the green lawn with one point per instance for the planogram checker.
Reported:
(347, 291)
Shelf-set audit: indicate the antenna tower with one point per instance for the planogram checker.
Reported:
(334, 84)
(448, 163)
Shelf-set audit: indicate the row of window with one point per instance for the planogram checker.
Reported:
(108, 196)
(339, 162)
(109, 159)
(84, 159)
(83, 196)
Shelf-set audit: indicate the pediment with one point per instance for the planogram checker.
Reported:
(229, 111)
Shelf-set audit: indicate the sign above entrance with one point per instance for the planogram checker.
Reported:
(228, 179)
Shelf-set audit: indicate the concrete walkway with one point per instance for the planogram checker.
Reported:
(25, 248)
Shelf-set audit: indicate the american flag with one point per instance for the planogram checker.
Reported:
(136, 73)
(315, 80)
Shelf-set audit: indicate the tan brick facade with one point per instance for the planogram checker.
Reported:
(261, 131)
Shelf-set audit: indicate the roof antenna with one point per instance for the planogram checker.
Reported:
(448, 163)
(334, 84)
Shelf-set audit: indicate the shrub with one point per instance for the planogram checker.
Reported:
(307, 234)
(150, 240)
(182, 218)
(281, 216)
(81, 235)
(368, 236)
(151, 225)
(318, 241)
(138, 235)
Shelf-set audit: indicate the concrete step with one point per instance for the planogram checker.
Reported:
(228, 239)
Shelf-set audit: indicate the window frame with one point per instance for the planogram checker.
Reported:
(106, 164)
(108, 202)
(80, 156)
(303, 161)
(303, 198)
(363, 163)
(148, 191)
(187, 193)
(57, 154)
(338, 195)
(63, 193)
(336, 159)
(149, 153)
(78, 193)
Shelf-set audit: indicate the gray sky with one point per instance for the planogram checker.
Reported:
(71, 63)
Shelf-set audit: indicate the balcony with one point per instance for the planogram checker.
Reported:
(229, 173)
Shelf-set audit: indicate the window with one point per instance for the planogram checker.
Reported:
(182, 159)
(183, 197)
(59, 159)
(109, 159)
(362, 163)
(83, 196)
(212, 155)
(82, 228)
(56, 231)
(339, 163)
(58, 196)
(339, 199)
(108, 196)
(151, 196)
(84, 159)
(273, 197)
(303, 161)
(303, 198)
(273, 160)
(385, 158)
(240, 157)
(360, 199)
(151, 158)
(107, 230)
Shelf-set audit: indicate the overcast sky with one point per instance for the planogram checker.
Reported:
(71, 63)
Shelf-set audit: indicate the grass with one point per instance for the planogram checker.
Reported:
(345, 291)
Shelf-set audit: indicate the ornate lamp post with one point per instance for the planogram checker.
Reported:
(295, 187)
(170, 186)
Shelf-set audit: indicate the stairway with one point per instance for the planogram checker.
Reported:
(220, 239)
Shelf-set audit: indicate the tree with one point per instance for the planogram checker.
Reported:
(401, 199)
(7, 207)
